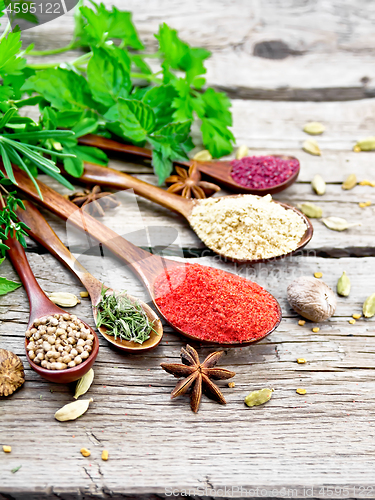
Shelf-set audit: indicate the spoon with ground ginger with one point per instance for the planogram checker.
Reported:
(144, 322)
(59, 346)
(242, 228)
(205, 304)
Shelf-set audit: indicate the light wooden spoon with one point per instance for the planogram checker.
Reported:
(41, 231)
(40, 306)
(95, 174)
(146, 266)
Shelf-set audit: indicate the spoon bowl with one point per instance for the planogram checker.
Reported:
(217, 170)
(41, 306)
(41, 231)
(148, 267)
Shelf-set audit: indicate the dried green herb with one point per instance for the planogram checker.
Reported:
(13, 471)
(123, 318)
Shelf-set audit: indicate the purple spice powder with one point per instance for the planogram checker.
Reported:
(261, 172)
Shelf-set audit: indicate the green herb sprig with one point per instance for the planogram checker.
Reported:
(123, 318)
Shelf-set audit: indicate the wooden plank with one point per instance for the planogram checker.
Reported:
(134, 419)
(261, 50)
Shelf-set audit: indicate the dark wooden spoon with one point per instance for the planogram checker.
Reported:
(220, 171)
(95, 174)
(40, 306)
(146, 266)
(41, 231)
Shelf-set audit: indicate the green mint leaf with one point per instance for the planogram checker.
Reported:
(108, 75)
(64, 89)
(68, 119)
(73, 166)
(137, 119)
(160, 99)
(7, 286)
(10, 62)
(85, 126)
(173, 133)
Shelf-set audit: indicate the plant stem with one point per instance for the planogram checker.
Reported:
(81, 60)
(6, 31)
(51, 52)
(144, 76)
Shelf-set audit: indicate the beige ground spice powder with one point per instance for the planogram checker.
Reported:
(247, 227)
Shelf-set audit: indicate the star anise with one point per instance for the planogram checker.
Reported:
(198, 376)
(96, 200)
(189, 184)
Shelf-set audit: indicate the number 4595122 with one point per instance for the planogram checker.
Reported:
(33, 8)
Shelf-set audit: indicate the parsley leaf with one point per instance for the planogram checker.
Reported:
(10, 61)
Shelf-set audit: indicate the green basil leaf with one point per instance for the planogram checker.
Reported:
(7, 286)
(85, 126)
(73, 166)
(137, 119)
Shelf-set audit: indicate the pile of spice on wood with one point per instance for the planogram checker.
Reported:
(247, 227)
(214, 305)
(262, 172)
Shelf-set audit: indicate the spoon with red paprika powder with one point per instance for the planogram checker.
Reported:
(204, 304)
(258, 175)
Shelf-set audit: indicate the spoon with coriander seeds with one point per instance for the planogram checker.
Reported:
(59, 347)
(208, 305)
(127, 323)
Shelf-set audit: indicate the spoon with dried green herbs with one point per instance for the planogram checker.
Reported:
(127, 323)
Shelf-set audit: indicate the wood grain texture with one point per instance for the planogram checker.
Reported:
(143, 430)
(261, 49)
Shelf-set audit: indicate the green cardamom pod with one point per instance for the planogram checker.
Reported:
(350, 182)
(257, 398)
(318, 184)
(367, 144)
(311, 210)
(203, 155)
(343, 285)
(338, 224)
(242, 152)
(74, 410)
(64, 299)
(312, 147)
(84, 384)
(314, 128)
(369, 306)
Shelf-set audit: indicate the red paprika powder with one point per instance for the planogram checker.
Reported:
(214, 305)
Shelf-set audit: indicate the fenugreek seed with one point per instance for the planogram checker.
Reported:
(242, 152)
(367, 144)
(318, 275)
(369, 306)
(203, 155)
(301, 391)
(301, 361)
(257, 398)
(74, 410)
(350, 182)
(364, 204)
(318, 184)
(301, 322)
(84, 383)
(231, 384)
(84, 294)
(105, 455)
(357, 149)
(357, 316)
(314, 128)
(311, 210)
(316, 329)
(7, 449)
(367, 183)
(311, 147)
(85, 452)
(343, 285)
(352, 321)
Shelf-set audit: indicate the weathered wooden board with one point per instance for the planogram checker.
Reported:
(274, 446)
(261, 50)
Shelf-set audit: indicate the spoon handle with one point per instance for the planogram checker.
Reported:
(95, 174)
(40, 304)
(41, 231)
(144, 264)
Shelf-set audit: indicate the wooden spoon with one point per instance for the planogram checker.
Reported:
(41, 231)
(95, 174)
(216, 170)
(40, 306)
(144, 264)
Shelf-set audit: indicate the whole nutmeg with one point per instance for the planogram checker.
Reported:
(12, 375)
(311, 298)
